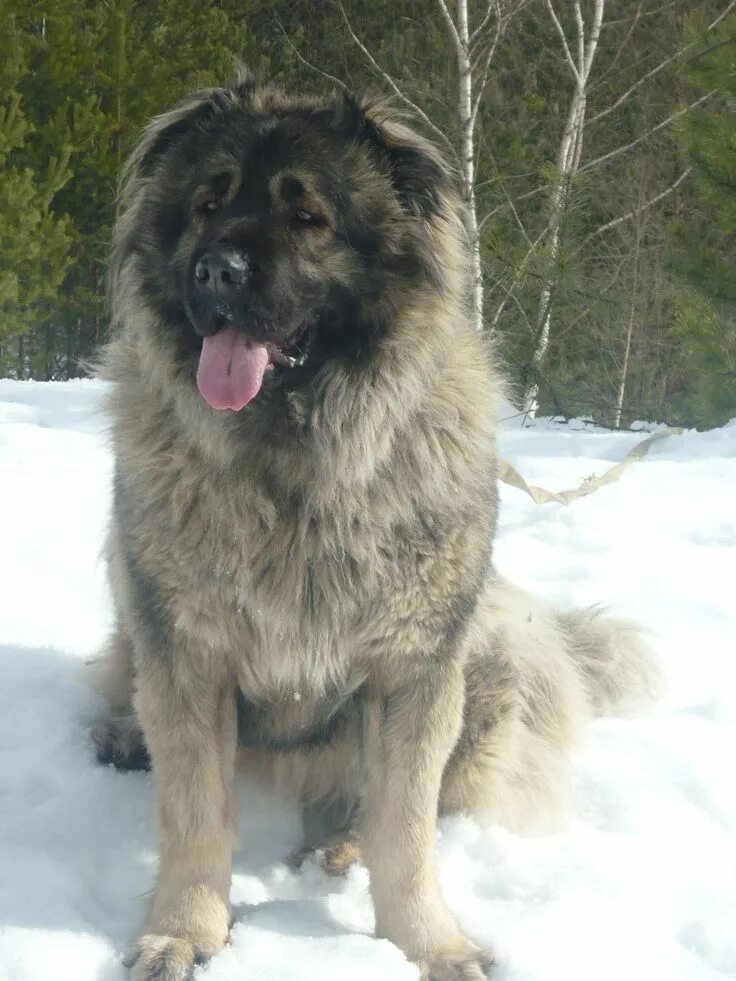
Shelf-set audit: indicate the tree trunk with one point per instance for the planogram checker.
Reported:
(467, 155)
(567, 158)
(630, 326)
(48, 370)
(568, 163)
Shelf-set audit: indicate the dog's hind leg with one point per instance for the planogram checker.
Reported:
(119, 742)
(118, 738)
(534, 678)
(334, 854)
(112, 673)
(329, 837)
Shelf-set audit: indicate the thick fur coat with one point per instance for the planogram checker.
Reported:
(311, 576)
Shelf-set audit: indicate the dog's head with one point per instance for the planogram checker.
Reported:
(270, 234)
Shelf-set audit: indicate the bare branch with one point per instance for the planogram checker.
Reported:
(514, 8)
(451, 28)
(509, 199)
(658, 68)
(518, 273)
(722, 16)
(521, 197)
(505, 177)
(625, 40)
(483, 24)
(638, 211)
(711, 49)
(510, 295)
(484, 76)
(580, 24)
(651, 132)
(647, 13)
(308, 64)
(630, 91)
(515, 213)
(395, 88)
(563, 38)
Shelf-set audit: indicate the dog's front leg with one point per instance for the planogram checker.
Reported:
(189, 720)
(409, 737)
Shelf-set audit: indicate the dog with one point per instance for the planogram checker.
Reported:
(305, 503)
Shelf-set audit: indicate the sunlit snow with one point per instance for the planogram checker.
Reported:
(640, 885)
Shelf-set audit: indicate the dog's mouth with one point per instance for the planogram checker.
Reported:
(233, 365)
(294, 352)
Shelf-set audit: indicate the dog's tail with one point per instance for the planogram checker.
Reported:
(534, 677)
(615, 663)
(588, 662)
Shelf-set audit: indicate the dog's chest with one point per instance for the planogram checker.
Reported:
(277, 588)
(293, 719)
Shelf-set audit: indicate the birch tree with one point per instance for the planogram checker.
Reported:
(475, 45)
(474, 50)
(579, 48)
(579, 60)
(544, 132)
(639, 220)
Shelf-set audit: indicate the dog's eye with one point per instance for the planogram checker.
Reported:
(309, 218)
(206, 202)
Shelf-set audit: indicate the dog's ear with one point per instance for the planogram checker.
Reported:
(165, 130)
(246, 81)
(418, 171)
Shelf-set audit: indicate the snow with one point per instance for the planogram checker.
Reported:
(641, 883)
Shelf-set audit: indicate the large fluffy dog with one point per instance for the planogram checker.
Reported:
(304, 512)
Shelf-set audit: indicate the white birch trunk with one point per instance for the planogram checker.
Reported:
(630, 325)
(467, 155)
(474, 55)
(567, 164)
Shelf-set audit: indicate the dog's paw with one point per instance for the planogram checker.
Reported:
(119, 742)
(474, 965)
(334, 856)
(159, 958)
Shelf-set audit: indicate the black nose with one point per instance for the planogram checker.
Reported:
(221, 271)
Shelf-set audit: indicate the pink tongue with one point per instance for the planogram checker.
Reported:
(230, 369)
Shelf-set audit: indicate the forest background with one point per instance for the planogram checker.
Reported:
(594, 143)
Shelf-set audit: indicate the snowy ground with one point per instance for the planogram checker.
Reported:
(640, 886)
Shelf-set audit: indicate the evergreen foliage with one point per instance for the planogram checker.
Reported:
(704, 253)
(34, 241)
(648, 299)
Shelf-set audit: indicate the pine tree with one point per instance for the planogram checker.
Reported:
(705, 241)
(34, 242)
(79, 78)
(95, 74)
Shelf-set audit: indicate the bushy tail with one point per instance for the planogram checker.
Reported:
(534, 677)
(618, 668)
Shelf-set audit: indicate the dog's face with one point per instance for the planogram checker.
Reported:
(271, 234)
